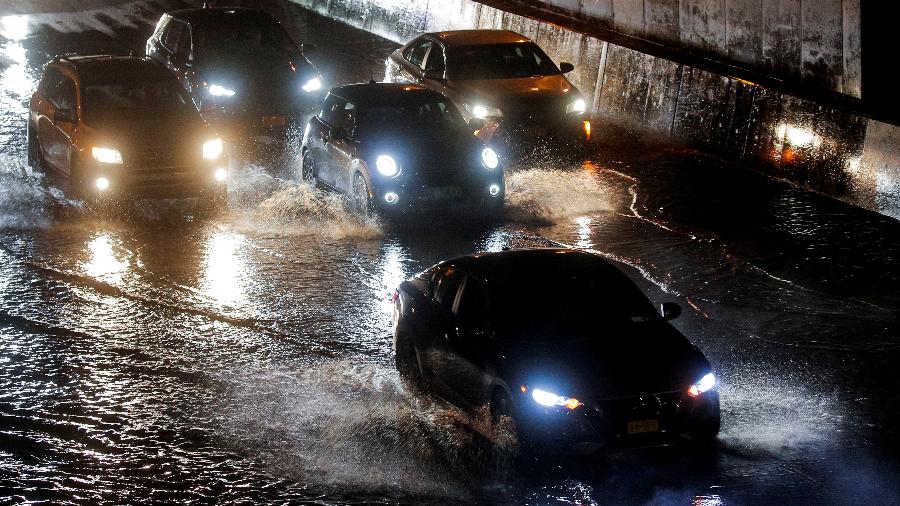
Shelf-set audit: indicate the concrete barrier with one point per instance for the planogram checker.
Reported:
(823, 148)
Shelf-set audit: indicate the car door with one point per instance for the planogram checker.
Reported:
(434, 68)
(336, 148)
(470, 345)
(55, 136)
(435, 346)
(413, 61)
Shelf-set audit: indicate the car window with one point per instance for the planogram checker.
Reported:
(338, 113)
(416, 52)
(51, 80)
(435, 62)
(172, 35)
(62, 95)
(242, 40)
(415, 117)
(472, 304)
(445, 285)
(184, 44)
(499, 61)
(128, 96)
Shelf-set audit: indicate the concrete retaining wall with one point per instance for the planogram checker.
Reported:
(816, 43)
(823, 148)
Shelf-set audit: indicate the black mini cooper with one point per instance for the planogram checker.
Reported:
(559, 341)
(396, 149)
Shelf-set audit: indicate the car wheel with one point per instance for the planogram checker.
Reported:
(360, 201)
(307, 168)
(504, 429)
(408, 365)
(35, 159)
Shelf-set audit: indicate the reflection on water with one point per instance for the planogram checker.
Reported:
(103, 263)
(225, 268)
(584, 232)
(392, 274)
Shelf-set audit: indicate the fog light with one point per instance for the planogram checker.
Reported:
(102, 183)
(221, 174)
(494, 190)
(390, 197)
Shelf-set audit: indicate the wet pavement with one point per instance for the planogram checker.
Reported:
(156, 353)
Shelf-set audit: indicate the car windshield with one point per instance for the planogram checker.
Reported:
(238, 38)
(133, 95)
(499, 61)
(530, 300)
(414, 117)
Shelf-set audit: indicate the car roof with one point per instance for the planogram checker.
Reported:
(533, 262)
(479, 37)
(201, 15)
(385, 93)
(93, 68)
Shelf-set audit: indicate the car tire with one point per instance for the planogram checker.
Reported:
(35, 159)
(407, 364)
(308, 168)
(360, 202)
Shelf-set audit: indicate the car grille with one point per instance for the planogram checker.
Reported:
(664, 407)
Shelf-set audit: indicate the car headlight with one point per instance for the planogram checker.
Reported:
(313, 84)
(706, 383)
(212, 149)
(220, 175)
(577, 107)
(545, 398)
(106, 155)
(387, 166)
(217, 90)
(483, 111)
(489, 158)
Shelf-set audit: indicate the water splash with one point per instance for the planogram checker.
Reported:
(545, 197)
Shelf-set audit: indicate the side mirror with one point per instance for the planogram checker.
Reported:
(670, 310)
(566, 67)
(64, 116)
(307, 48)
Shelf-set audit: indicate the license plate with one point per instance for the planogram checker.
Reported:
(446, 192)
(642, 426)
(273, 121)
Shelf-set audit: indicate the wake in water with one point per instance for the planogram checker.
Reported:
(261, 202)
(547, 196)
(25, 200)
(355, 427)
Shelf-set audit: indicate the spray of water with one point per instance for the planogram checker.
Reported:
(546, 197)
(354, 426)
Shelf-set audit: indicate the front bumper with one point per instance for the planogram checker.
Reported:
(512, 130)
(143, 181)
(649, 420)
(392, 198)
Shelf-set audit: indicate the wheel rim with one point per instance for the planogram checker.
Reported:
(360, 196)
(306, 170)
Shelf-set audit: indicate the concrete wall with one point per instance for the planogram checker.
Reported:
(823, 148)
(816, 42)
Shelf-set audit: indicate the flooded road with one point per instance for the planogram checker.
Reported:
(159, 353)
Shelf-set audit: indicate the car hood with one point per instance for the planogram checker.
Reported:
(272, 78)
(179, 137)
(516, 93)
(592, 364)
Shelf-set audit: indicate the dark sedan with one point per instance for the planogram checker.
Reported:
(241, 67)
(395, 149)
(117, 125)
(561, 342)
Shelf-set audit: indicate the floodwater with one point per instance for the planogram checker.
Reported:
(156, 352)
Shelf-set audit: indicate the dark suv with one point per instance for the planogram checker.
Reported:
(241, 67)
(123, 125)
